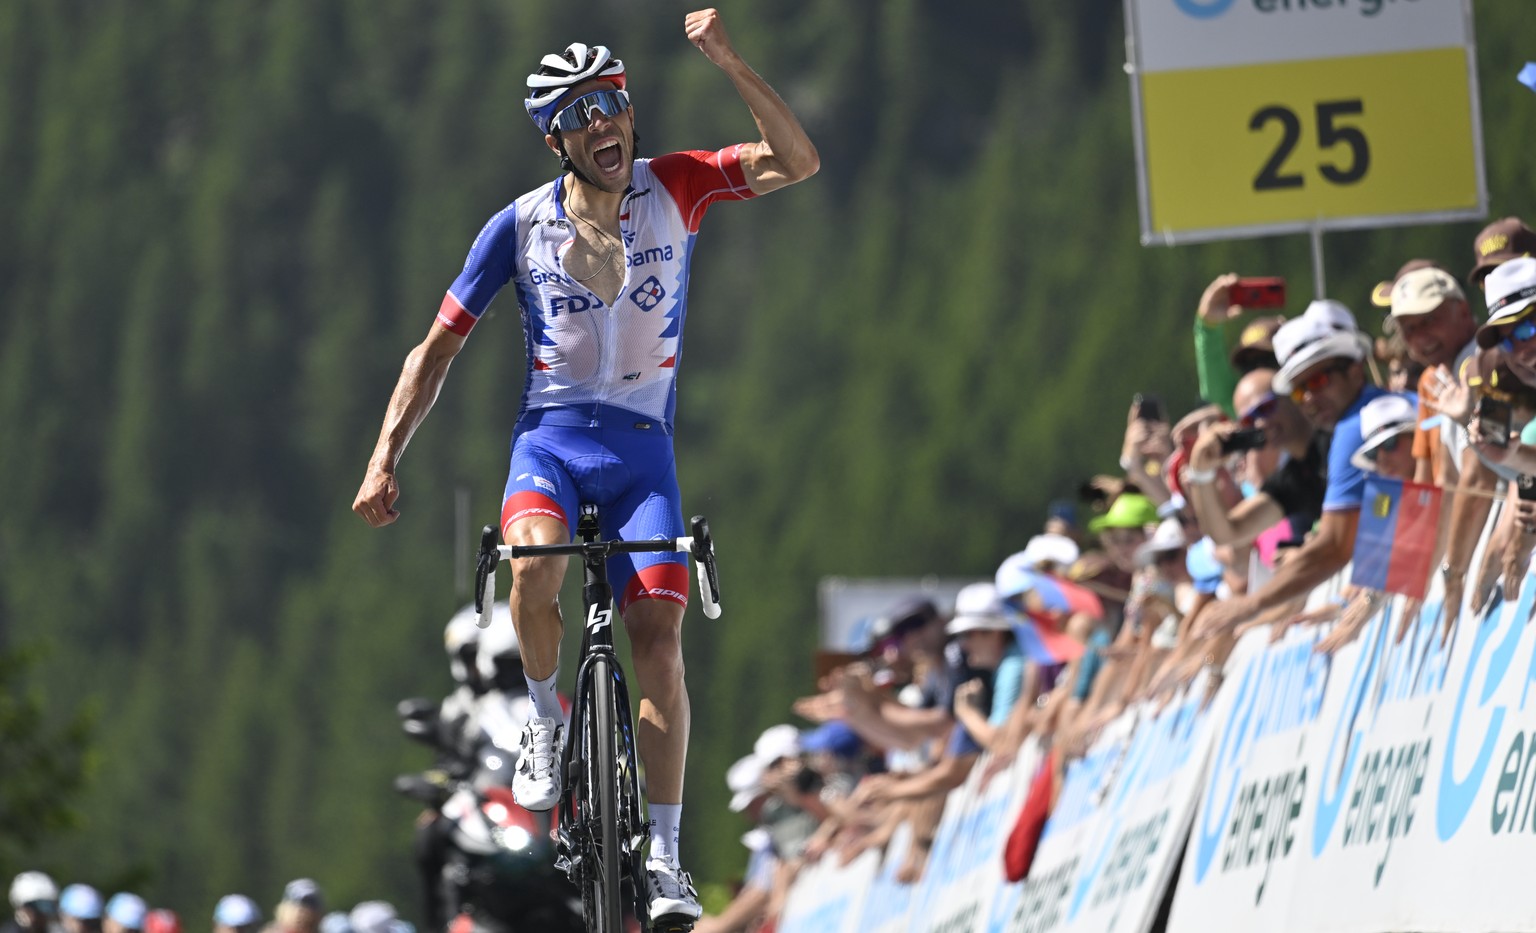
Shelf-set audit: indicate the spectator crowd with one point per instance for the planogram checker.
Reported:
(1221, 520)
(39, 906)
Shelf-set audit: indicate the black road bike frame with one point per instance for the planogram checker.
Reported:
(601, 834)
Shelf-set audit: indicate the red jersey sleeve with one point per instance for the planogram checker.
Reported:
(697, 179)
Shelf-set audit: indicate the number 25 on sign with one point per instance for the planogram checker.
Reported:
(1310, 140)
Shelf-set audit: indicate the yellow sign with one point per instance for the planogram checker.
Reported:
(1256, 117)
(1312, 140)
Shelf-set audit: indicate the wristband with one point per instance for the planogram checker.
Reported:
(1199, 477)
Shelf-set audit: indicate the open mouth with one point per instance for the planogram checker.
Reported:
(608, 156)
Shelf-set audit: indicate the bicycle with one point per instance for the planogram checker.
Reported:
(601, 834)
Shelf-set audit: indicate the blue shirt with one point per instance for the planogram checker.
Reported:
(1346, 482)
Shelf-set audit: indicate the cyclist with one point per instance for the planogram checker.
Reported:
(600, 260)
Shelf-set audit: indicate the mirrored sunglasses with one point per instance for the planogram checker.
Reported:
(1316, 382)
(577, 115)
(1520, 333)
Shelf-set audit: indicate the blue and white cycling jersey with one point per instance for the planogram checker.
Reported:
(583, 354)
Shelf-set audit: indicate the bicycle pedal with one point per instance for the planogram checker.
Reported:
(665, 925)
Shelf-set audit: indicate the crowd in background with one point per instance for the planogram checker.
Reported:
(1219, 520)
(40, 907)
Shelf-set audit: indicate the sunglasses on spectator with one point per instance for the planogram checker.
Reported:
(1388, 445)
(1264, 408)
(1316, 382)
(577, 115)
(1520, 333)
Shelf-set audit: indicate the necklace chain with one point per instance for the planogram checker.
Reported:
(613, 246)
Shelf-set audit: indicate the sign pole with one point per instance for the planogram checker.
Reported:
(1319, 279)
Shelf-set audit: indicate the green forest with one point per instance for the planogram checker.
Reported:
(225, 223)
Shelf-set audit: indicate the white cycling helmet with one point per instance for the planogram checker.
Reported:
(559, 72)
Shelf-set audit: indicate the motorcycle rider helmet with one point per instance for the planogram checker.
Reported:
(461, 640)
(500, 658)
(560, 71)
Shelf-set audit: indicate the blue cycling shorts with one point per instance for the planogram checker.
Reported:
(625, 467)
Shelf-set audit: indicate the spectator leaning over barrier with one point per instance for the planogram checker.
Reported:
(746, 911)
(907, 727)
(985, 635)
(1321, 368)
(1387, 425)
(1290, 491)
(1254, 349)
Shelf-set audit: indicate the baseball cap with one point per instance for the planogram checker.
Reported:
(236, 910)
(336, 921)
(304, 891)
(1255, 346)
(745, 780)
(1203, 566)
(35, 888)
(781, 741)
(1326, 330)
(1383, 418)
(1423, 290)
(128, 910)
(977, 606)
(835, 738)
(911, 613)
(1511, 289)
(1048, 548)
(80, 900)
(1381, 295)
(1504, 239)
(1169, 536)
(1129, 510)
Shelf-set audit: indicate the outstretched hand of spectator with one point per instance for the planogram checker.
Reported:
(1351, 622)
(1227, 615)
(1216, 307)
(1450, 398)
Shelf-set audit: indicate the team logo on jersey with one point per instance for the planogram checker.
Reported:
(649, 294)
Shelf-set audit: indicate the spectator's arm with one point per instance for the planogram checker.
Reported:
(891, 725)
(941, 777)
(1469, 513)
(1324, 554)
(741, 915)
(1243, 522)
(1217, 379)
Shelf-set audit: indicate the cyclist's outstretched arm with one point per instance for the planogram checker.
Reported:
(785, 154)
(420, 380)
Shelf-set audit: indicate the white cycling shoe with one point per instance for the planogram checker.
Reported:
(670, 893)
(536, 782)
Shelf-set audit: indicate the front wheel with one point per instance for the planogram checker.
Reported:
(601, 897)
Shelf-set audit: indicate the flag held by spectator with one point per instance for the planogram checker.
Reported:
(1396, 540)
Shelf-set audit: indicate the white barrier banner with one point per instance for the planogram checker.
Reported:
(1388, 789)
(965, 869)
(1115, 837)
(828, 897)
